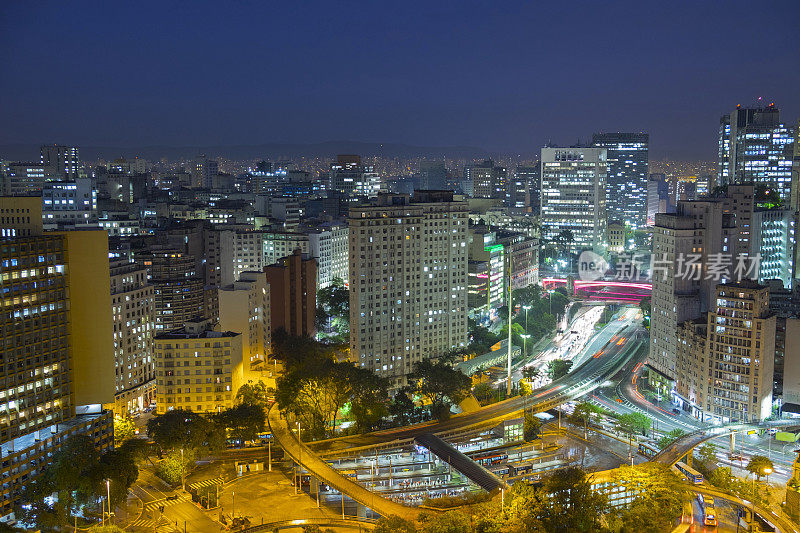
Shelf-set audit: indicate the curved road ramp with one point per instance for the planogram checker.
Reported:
(323, 471)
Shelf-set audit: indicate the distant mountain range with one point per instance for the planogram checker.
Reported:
(272, 151)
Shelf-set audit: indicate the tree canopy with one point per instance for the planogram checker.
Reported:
(760, 466)
(558, 368)
(440, 384)
(179, 428)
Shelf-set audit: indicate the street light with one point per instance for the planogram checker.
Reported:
(183, 472)
(525, 338)
(526, 308)
(108, 497)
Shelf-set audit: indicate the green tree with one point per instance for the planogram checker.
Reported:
(316, 390)
(760, 466)
(483, 392)
(440, 384)
(481, 339)
(448, 522)
(530, 373)
(402, 408)
(558, 368)
(583, 414)
(369, 398)
(659, 496)
(253, 393)
(73, 475)
(633, 423)
(395, 524)
(645, 306)
(570, 504)
(333, 310)
(124, 429)
(707, 453)
(244, 421)
(669, 438)
(531, 426)
(175, 465)
(178, 428)
(119, 467)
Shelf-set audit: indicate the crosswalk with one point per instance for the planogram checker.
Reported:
(205, 483)
(151, 515)
(156, 505)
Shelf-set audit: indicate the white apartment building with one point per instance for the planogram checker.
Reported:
(408, 281)
(328, 244)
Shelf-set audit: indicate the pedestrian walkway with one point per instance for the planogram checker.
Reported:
(205, 483)
(155, 506)
(447, 453)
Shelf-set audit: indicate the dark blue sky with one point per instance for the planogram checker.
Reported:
(504, 76)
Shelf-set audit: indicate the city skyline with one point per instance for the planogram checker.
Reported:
(313, 74)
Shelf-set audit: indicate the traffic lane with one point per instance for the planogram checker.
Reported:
(569, 384)
(561, 388)
(192, 517)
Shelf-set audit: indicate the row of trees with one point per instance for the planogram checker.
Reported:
(564, 502)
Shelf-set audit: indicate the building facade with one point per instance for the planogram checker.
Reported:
(328, 244)
(574, 195)
(198, 369)
(628, 170)
(756, 147)
(293, 294)
(179, 291)
(134, 314)
(244, 307)
(408, 281)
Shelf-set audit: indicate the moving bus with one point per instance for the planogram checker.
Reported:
(691, 474)
(646, 450)
(709, 512)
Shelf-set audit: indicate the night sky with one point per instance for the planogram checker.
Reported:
(505, 76)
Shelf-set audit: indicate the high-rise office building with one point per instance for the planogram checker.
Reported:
(72, 202)
(56, 361)
(408, 281)
(626, 185)
(134, 315)
(488, 180)
(741, 353)
(60, 162)
(573, 196)
(433, 176)
(197, 368)
(531, 176)
(203, 170)
(293, 294)
(756, 147)
(350, 176)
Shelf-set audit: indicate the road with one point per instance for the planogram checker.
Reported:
(599, 366)
(152, 492)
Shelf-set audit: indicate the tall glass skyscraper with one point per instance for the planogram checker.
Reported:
(755, 147)
(628, 160)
